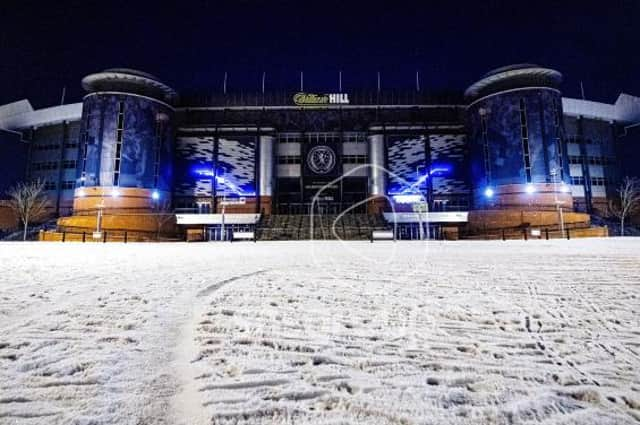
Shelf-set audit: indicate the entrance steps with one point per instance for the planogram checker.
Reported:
(303, 227)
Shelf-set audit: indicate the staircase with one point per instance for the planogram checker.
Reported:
(301, 227)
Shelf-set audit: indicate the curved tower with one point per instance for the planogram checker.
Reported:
(126, 142)
(517, 156)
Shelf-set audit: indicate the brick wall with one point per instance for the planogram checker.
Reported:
(496, 219)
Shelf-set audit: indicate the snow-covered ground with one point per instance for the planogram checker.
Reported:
(321, 332)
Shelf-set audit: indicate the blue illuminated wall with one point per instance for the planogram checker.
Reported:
(93, 110)
(236, 164)
(232, 158)
(405, 153)
(449, 164)
(194, 155)
(147, 136)
(502, 128)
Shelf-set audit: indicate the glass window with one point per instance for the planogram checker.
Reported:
(577, 180)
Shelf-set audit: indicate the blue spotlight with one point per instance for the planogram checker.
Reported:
(115, 193)
(207, 172)
(80, 193)
(565, 188)
(155, 195)
(530, 189)
(488, 192)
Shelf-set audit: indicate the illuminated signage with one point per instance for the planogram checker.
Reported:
(314, 99)
(408, 199)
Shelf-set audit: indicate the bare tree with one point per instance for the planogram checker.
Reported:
(162, 214)
(628, 202)
(28, 202)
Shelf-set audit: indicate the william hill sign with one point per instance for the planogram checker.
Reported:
(314, 99)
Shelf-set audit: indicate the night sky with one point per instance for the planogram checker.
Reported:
(189, 45)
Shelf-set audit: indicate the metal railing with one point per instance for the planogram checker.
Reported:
(124, 236)
(523, 233)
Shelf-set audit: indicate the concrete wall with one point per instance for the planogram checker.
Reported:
(53, 155)
(14, 150)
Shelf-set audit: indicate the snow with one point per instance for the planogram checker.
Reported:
(321, 332)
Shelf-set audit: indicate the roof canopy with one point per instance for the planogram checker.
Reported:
(511, 77)
(128, 80)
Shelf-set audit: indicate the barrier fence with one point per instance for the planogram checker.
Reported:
(526, 233)
(507, 233)
(504, 234)
(105, 236)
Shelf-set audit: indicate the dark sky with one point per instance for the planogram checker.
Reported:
(47, 45)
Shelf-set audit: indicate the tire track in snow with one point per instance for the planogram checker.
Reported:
(188, 403)
(212, 288)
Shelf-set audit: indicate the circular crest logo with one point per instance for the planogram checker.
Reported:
(321, 159)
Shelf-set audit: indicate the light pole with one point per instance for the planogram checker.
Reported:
(420, 231)
(554, 173)
(155, 197)
(418, 174)
(224, 205)
(98, 234)
(425, 204)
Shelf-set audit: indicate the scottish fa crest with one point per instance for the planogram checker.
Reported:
(321, 159)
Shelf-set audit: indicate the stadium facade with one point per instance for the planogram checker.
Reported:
(511, 143)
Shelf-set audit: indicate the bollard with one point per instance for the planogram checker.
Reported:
(568, 236)
(104, 237)
(504, 237)
(64, 236)
(125, 236)
(84, 236)
(546, 233)
(524, 233)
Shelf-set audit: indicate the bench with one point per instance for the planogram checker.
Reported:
(246, 236)
(386, 235)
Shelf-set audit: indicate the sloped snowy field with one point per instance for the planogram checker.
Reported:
(321, 332)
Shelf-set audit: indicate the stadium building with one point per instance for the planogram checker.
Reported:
(511, 153)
